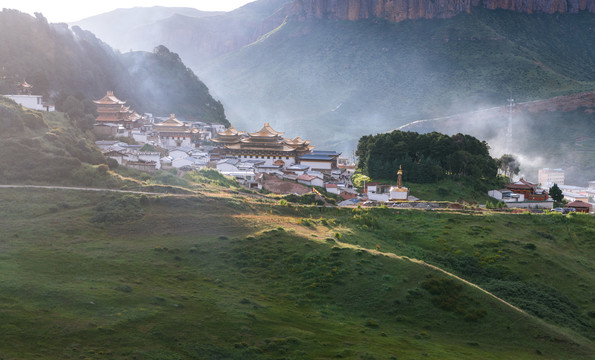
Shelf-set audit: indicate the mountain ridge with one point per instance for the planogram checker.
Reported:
(400, 10)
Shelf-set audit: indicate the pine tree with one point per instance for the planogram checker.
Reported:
(556, 193)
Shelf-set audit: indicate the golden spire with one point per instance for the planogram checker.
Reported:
(399, 180)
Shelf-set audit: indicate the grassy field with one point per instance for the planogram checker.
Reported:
(116, 276)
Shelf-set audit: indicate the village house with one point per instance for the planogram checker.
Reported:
(151, 157)
(310, 180)
(506, 196)
(530, 191)
(580, 206)
(323, 161)
(190, 162)
(26, 99)
(34, 102)
(180, 152)
(523, 194)
(378, 192)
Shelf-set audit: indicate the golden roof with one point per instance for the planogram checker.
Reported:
(171, 122)
(266, 131)
(109, 99)
(231, 131)
(298, 141)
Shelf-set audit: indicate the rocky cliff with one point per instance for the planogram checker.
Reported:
(399, 10)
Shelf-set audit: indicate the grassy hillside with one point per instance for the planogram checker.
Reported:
(47, 148)
(41, 147)
(355, 78)
(100, 276)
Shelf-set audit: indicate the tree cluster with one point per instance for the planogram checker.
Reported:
(425, 158)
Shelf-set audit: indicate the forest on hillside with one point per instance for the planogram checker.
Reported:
(425, 158)
(55, 59)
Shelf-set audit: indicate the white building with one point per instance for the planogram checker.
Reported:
(34, 102)
(548, 177)
(506, 196)
(378, 192)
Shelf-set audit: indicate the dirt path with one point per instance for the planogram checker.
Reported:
(423, 263)
(87, 189)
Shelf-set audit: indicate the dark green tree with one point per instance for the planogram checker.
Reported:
(556, 193)
(509, 165)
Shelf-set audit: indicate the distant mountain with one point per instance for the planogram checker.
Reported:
(333, 81)
(196, 36)
(428, 9)
(56, 59)
(121, 28)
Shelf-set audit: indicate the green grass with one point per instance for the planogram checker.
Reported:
(202, 277)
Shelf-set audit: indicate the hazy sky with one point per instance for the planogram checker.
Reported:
(69, 11)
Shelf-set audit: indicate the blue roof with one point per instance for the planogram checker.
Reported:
(316, 157)
(325, 152)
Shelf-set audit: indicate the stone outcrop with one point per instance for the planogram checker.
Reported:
(399, 10)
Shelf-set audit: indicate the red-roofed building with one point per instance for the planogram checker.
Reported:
(580, 206)
(529, 190)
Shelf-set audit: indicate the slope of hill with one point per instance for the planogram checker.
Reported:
(360, 77)
(204, 277)
(38, 147)
(55, 59)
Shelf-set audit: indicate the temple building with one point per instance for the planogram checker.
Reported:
(172, 133)
(111, 110)
(266, 144)
(399, 192)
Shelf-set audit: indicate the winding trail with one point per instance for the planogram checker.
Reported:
(423, 263)
(88, 189)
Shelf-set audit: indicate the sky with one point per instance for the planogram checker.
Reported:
(70, 11)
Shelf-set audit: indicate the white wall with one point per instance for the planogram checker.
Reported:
(317, 164)
(378, 197)
(530, 205)
(34, 102)
(174, 142)
(227, 168)
(271, 160)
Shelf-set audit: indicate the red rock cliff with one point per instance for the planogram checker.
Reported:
(399, 10)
